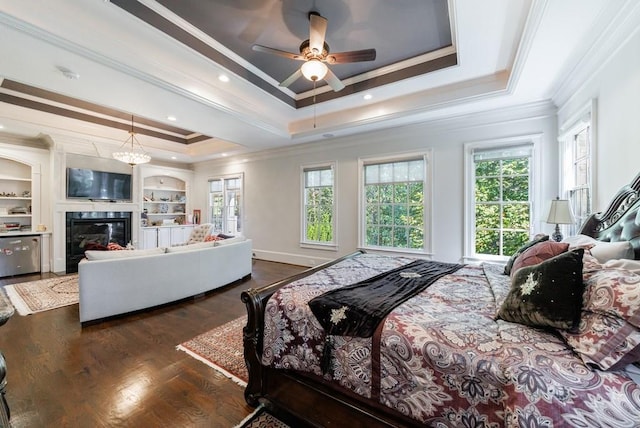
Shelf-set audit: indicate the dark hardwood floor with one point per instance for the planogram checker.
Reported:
(125, 372)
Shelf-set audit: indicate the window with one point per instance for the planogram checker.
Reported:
(394, 200)
(576, 145)
(225, 204)
(318, 208)
(499, 197)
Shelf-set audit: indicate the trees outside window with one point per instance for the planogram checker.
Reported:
(318, 208)
(394, 198)
(499, 197)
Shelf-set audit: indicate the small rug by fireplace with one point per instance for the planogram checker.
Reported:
(44, 294)
(221, 348)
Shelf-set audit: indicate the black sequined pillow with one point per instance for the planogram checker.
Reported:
(548, 294)
(509, 265)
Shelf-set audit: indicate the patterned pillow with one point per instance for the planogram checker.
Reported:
(605, 342)
(538, 253)
(509, 265)
(548, 294)
(608, 336)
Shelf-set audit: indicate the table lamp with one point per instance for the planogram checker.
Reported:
(560, 213)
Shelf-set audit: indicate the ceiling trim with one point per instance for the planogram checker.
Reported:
(161, 23)
(164, 23)
(162, 131)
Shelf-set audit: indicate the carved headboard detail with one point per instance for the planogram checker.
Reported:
(620, 221)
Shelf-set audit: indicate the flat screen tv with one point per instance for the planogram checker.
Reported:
(98, 185)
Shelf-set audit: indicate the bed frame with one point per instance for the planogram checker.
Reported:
(313, 403)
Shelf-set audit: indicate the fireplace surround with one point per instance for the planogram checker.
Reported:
(94, 229)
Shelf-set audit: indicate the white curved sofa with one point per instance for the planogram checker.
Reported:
(117, 282)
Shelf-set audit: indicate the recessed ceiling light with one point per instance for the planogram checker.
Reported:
(367, 96)
(223, 78)
(171, 118)
(224, 155)
(1, 126)
(174, 157)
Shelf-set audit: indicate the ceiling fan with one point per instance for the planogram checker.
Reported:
(315, 53)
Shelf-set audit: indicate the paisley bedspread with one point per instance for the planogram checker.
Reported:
(443, 359)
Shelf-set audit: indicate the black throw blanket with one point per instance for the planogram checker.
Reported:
(357, 309)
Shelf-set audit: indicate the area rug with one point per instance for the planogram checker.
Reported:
(44, 294)
(221, 348)
(6, 307)
(261, 418)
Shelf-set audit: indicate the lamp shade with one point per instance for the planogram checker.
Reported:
(560, 212)
(314, 69)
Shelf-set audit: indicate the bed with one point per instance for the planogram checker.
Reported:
(479, 346)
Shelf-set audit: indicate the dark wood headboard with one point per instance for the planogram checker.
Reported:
(621, 220)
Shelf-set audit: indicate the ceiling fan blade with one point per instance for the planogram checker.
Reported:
(317, 31)
(333, 81)
(290, 55)
(289, 80)
(351, 56)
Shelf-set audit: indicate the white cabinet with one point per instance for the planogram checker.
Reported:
(149, 237)
(166, 236)
(15, 195)
(180, 234)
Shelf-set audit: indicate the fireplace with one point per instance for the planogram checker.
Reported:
(94, 230)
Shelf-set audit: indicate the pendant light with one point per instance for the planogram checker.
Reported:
(136, 155)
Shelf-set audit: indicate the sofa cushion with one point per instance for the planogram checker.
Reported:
(230, 240)
(108, 255)
(190, 247)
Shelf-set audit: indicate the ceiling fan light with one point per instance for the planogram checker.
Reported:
(314, 70)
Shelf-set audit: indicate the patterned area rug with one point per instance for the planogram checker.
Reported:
(261, 419)
(6, 308)
(43, 295)
(221, 348)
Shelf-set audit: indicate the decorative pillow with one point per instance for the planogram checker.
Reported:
(548, 294)
(538, 253)
(509, 265)
(608, 336)
(623, 264)
(580, 241)
(114, 246)
(210, 238)
(199, 232)
(605, 342)
(605, 251)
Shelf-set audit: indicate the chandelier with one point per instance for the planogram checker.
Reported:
(136, 155)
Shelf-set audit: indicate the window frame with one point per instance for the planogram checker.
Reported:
(583, 118)
(469, 189)
(223, 177)
(304, 243)
(425, 156)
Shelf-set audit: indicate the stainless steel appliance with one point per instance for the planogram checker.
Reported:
(19, 255)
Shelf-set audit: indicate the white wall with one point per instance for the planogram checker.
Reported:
(615, 85)
(272, 180)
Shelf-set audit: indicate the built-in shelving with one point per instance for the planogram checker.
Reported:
(164, 200)
(15, 195)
